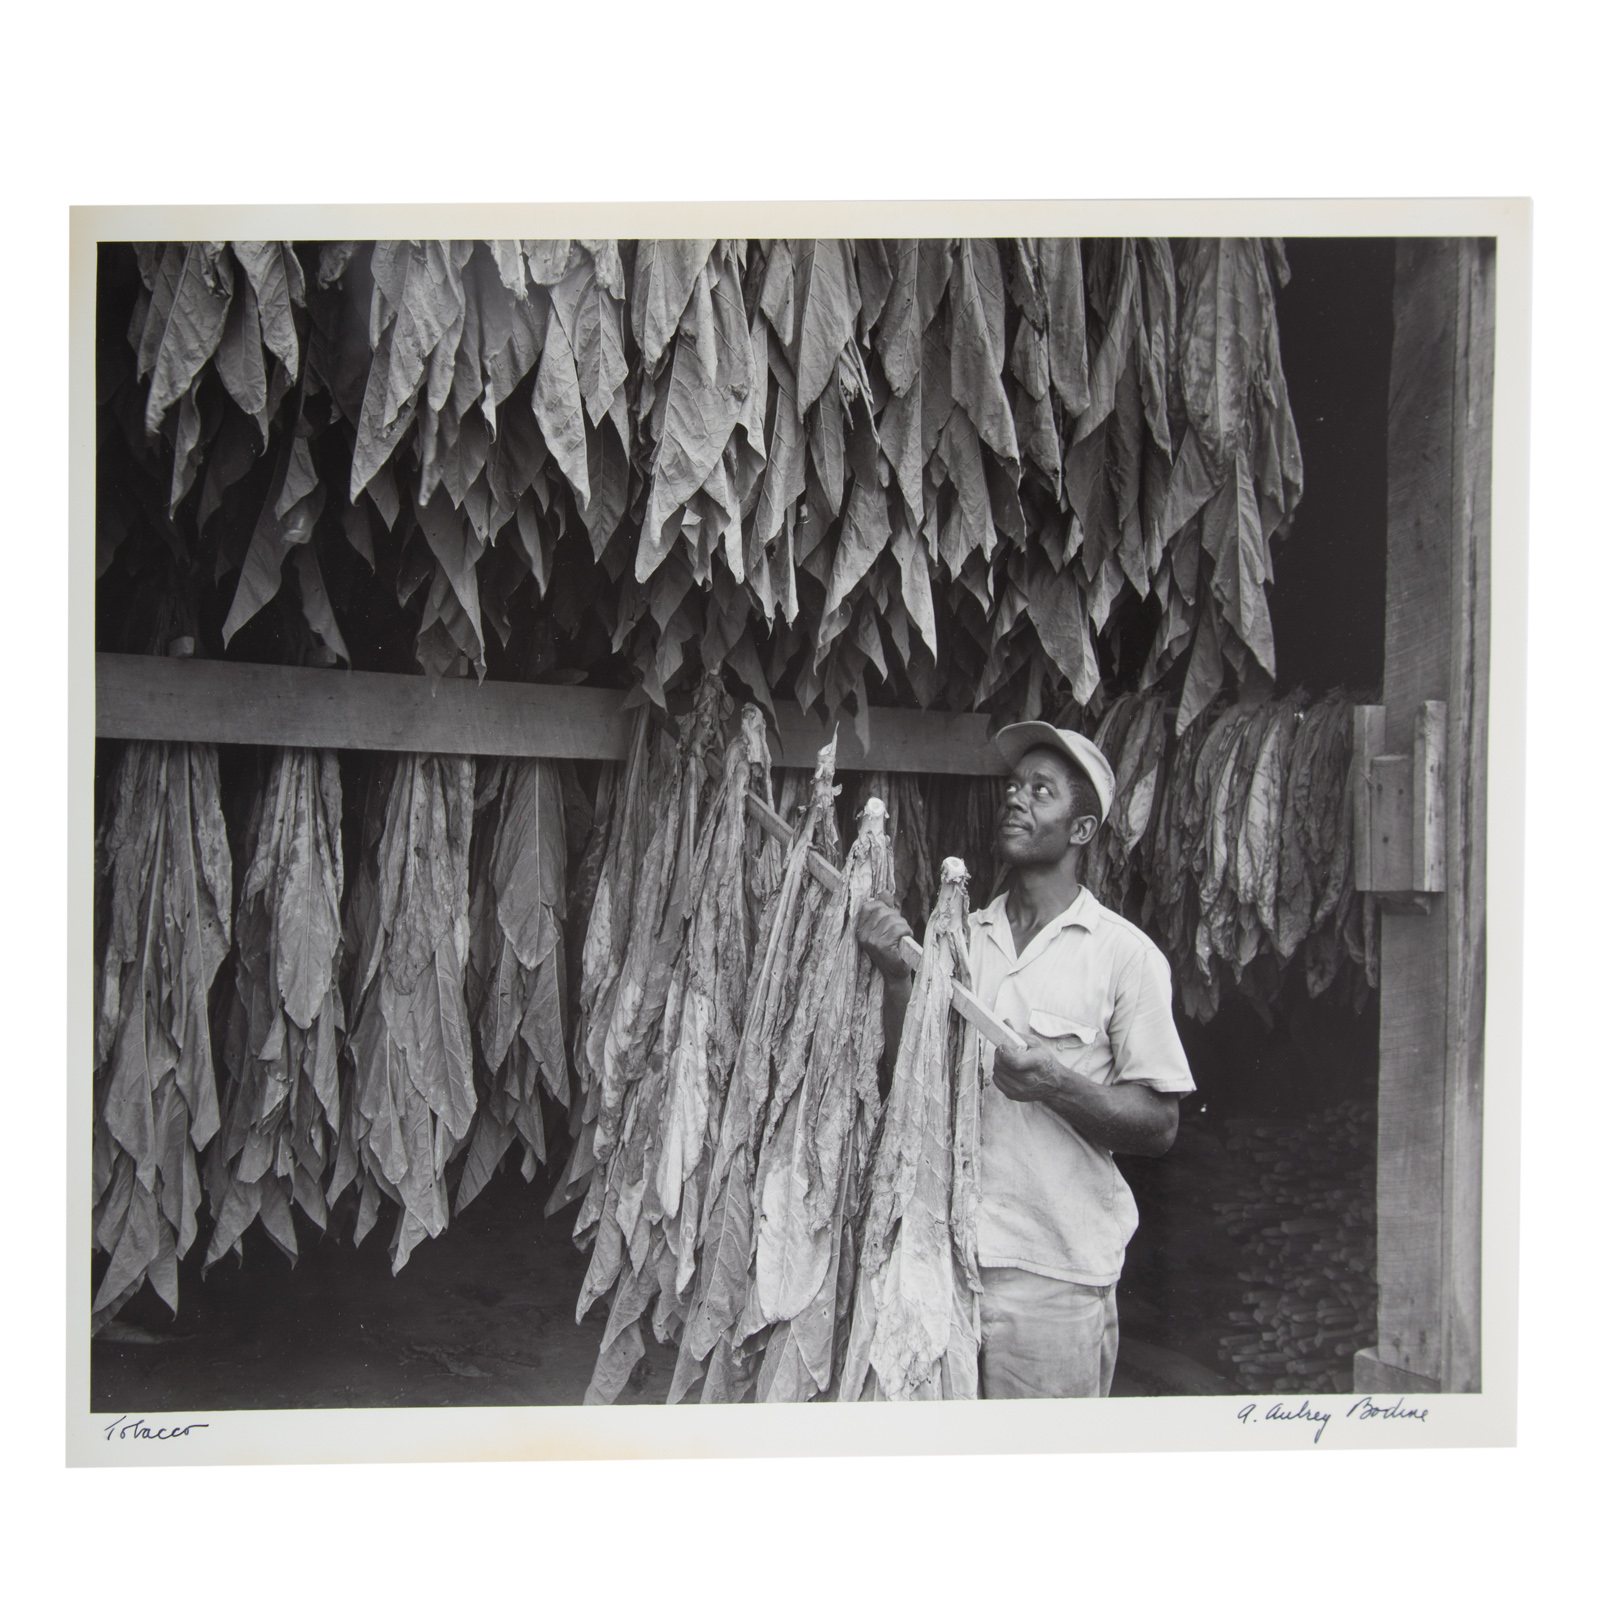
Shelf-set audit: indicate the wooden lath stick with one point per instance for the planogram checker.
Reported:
(963, 999)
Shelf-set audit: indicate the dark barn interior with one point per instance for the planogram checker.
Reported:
(1260, 1219)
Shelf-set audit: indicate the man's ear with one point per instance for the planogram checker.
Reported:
(1083, 830)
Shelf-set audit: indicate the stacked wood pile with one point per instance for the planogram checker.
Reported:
(1307, 1222)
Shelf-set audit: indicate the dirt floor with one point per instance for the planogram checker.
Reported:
(483, 1315)
(1255, 1248)
(1181, 1276)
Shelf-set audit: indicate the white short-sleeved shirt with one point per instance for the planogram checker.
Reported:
(1094, 989)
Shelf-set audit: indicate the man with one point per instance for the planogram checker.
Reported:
(1103, 1072)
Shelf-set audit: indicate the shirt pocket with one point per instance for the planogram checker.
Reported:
(1063, 1033)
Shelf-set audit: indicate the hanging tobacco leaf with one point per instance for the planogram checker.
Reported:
(914, 1322)
(678, 1107)
(721, 1316)
(281, 1110)
(516, 979)
(166, 897)
(809, 1190)
(410, 1095)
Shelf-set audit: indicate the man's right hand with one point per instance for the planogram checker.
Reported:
(879, 930)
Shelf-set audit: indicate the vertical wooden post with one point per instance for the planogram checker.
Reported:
(1430, 1096)
(1466, 830)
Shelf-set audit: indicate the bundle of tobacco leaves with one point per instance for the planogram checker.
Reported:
(585, 869)
(614, 862)
(164, 910)
(1172, 904)
(659, 911)
(1226, 928)
(809, 1186)
(1342, 946)
(918, 471)
(646, 1247)
(516, 976)
(227, 308)
(1311, 860)
(281, 1108)
(719, 1341)
(906, 825)
(1232, 846)
(1133, 737)
(914, 1322)
(706, 995)
(626, 972)
(630, 1000)
(410, 1098)
(1255, 817)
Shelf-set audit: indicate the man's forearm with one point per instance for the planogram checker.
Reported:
(1125, 1117)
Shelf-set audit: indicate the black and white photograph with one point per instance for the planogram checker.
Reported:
(724, 824)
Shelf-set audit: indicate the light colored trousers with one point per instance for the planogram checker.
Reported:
(1044, 1339)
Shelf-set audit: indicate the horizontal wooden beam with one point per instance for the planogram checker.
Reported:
(231, 702)
(321, 708)
(902, 741)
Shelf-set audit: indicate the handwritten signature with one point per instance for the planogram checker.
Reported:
(1366, 1409)
(122, 1428)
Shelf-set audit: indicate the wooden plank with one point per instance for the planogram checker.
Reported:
(901, 741)
(1389, 781)
(1427, 799)
(1373, 1376)
(1413, 994)
(963, 999)
(1430, 1098)
(1466, 830)
(230, 702)
(1399, 845)
(1368, 745)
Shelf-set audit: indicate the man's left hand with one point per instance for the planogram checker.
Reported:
(1031, 1074)
(1130, 1117)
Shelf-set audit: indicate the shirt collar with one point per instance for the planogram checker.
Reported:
(1084, 912)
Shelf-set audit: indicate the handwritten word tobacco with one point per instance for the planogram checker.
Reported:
(123, 1429)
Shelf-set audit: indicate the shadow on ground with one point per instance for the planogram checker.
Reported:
(483, 1316)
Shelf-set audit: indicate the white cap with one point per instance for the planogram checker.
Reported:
(1016, 741)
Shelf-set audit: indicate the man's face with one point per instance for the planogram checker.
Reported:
(1037, 824)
